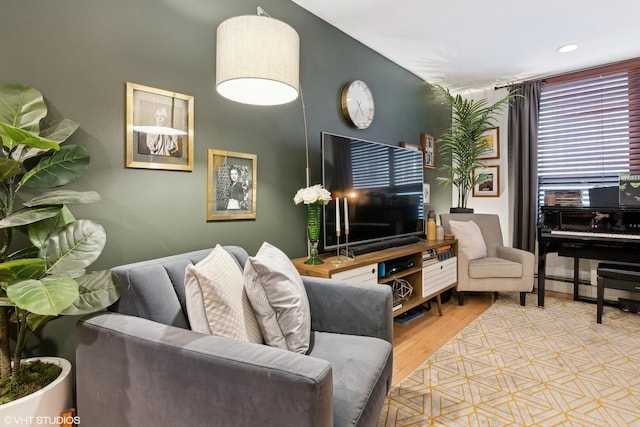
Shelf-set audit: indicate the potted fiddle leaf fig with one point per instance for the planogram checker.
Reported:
(45, 276)
(462, 142)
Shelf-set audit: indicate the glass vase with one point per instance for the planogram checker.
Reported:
(313, 232)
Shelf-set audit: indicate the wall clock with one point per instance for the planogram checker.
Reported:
(357, 104)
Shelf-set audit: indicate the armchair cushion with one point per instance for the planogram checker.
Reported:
(470, 238)
(494, 267)
(216, 285)
(276, 292)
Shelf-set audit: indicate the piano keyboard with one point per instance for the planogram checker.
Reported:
(596, 234)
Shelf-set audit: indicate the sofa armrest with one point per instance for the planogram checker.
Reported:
(527, 259)
(133, 371)
(350, 308)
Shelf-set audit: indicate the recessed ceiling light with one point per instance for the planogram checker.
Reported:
(567, 48)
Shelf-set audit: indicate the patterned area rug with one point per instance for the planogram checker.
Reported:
(528, 366)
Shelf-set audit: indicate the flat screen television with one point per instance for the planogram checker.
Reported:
(383, 184)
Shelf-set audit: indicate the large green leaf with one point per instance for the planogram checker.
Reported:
(19, 136)
(40, 232)
(21, 106)
(34, 321)
(29, 215)
(59, 169)
(20, 269)
(8, 168)
(60, 131)
(48, 296)
(98, 290)
(75, 247)
(28, 252)
(62, 197)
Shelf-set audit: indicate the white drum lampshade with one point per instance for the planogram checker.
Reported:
(257, 60)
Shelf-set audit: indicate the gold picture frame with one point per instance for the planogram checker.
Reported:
(231, 185)
(159, 129)
(428, 146)
(492, 139)
(488, 181)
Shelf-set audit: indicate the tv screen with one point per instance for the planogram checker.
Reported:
(383, 186)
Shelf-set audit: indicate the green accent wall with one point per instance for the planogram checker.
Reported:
(81, 53)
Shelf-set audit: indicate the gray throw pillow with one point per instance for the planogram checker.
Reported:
(216, 298)
(278, 297)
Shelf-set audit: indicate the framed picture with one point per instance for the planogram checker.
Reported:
(428, 145)
(426, 193)
(488, 182)
(231, 185)
(159, 129)
(491, 139)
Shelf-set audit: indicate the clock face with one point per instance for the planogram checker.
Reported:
(357, 104)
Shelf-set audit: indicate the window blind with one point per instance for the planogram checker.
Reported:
(376, 166)
(589, 131)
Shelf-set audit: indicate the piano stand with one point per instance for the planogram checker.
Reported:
(616, 276)
(606, 233)
(543, 250)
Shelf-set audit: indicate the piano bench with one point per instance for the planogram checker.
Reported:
(616, 276)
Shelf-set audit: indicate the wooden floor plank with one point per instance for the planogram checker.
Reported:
(415, 341)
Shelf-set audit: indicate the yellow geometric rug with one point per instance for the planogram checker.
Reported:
(528, 366)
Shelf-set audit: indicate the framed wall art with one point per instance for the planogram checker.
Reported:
(231, 185)
(488, 181)
(428, 145)
(159, 129)
(426, 193)
(491, 139)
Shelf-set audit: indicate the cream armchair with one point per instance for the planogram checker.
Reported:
(499, 268)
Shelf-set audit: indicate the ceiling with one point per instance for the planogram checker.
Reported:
(470, 45)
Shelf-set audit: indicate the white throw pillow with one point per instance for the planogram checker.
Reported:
(278, 296)
(470, 239)
(216, 298)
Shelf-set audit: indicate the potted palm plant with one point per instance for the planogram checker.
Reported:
(462, 142)
(45, 277)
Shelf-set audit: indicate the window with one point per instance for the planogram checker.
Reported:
(589, 129)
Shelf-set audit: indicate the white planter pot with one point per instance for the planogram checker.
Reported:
(42, 408)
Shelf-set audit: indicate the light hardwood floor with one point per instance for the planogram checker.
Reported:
(415, 341)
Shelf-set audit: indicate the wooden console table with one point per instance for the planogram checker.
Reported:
(413, 263)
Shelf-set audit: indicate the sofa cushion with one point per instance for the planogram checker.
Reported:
(361, 366)
(494, 268)
(216, 299)
(279, 299)
(470, 238)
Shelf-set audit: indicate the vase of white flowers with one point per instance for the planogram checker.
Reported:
(314, 198)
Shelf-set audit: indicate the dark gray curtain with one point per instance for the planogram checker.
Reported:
(523, 163)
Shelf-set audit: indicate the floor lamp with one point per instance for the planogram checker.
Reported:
(258, 63)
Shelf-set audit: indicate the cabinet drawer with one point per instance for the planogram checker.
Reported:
(438, 276)
(364, 274)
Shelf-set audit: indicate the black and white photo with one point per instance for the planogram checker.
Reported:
(159, 129)
(231, 185)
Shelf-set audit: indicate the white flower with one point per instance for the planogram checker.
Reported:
(313, 194)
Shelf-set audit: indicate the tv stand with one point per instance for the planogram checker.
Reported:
(385, 244)
(425, 265)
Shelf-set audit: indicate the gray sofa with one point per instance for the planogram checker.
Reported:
(140, 364)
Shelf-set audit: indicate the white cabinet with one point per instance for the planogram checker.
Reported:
(364, 274)
(410, 263)
(438, 276)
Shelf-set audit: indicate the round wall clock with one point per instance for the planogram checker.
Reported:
(357, 104)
